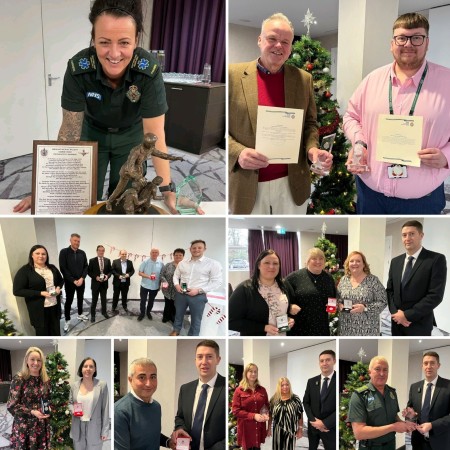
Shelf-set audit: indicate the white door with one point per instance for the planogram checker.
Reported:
(37, 39)
(23, 114)
(66, 31)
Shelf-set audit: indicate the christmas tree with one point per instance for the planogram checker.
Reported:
(232, 421)
(357, 377)
(60, 418)
(332, 267)
(6, 326)
(333, 194)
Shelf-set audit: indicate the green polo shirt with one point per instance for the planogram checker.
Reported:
(141, 95)
(368, 406)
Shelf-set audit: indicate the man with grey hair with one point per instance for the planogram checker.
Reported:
(255, 185)
(137, 417)
(373, 410)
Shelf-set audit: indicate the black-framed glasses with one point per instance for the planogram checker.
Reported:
(416, 40)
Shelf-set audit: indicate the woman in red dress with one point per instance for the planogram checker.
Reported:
(251, 408)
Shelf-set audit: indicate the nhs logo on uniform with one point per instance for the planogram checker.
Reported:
(94, 95)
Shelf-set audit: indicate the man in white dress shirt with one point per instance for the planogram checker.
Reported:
(192, 279)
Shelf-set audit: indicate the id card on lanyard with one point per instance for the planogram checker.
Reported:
(399, 138)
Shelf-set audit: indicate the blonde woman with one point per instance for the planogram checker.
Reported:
(286, 417)
(312, 287)
(29, 392)
(366, 295)
(251, 408)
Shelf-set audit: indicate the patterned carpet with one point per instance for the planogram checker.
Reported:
(6, 420)
(209, 169)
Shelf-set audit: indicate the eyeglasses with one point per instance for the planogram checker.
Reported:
(416, 40)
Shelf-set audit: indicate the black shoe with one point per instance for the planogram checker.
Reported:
(92, 319)
(165, 320)
(105, 315)
(114, 312)
(140, 317)
(149, 315)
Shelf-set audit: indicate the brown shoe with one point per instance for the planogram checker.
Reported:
(174, 333)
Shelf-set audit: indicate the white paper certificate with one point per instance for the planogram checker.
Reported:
(399, 139)
(64, 177)
(278, 133)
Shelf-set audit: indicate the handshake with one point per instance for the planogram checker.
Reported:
(411, 418)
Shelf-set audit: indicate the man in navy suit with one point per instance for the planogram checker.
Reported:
(320, 403)
(99, 269)
(432, 410)
(416, 284)
(201, 403)
(122, 269)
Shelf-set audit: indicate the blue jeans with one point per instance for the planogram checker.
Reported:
(196, 306)
(151, 294)
(372, 202)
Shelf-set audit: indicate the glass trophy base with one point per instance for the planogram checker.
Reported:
(362, 167)
(318, 170)
(285, 328)
(186, 210)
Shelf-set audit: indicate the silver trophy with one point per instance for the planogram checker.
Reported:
(188, 196)
(327, 144)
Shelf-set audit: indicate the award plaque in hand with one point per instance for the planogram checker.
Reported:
(188, 196)
(347, 305)
(359, 159)
(45, 407)
(327, 144)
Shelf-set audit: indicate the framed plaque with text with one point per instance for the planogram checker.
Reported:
(64, 177)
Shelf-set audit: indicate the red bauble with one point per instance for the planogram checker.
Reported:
(349, 424)
(327, 94)
(309, 66)
(361, 378)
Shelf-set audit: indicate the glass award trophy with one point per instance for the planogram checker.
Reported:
(188, 196)
(78, 409)
(327, 144)
(410, 415)
(52, 291)
(45, 407)
(183, 443)
(282, 323)
(359, 160)
(184, 288)
(264, 411)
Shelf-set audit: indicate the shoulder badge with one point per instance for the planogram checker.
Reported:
(83, 63)
(362, 389)
(144, 62)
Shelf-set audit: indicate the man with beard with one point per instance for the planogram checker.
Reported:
(412, 86)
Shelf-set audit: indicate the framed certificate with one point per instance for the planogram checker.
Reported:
(64, 177)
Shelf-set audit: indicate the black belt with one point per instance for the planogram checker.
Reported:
(367, 444)
(101, 127)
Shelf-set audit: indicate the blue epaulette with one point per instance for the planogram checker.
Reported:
(83, 62)
(144, 62)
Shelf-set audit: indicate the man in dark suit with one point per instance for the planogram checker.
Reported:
(99, 269)
(256, 186)
(122, 269)
(432, 410)
(319, 402)
(73, 265)
(201, 403)
(416, 284)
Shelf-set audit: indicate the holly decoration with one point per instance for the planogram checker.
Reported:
(328, 194)
(60, 417)
(357, 377)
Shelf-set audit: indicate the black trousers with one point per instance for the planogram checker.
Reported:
(51, 326)
(151, 295)
(121, 290)
(101, 290)
(328, 440)
(169, 310)
(70, 289)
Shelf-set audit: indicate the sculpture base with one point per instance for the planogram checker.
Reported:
(100, 209)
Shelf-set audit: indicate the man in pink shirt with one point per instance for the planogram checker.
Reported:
(419, 88)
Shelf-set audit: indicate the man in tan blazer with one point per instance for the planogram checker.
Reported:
(255, 186)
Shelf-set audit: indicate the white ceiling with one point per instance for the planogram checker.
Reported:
(22, 343)
(278, 347)
(251, 13)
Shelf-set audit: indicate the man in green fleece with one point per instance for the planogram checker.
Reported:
(137, 417)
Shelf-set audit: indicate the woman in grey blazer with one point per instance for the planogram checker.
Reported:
(90, 428)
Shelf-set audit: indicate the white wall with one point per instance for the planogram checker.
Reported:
(278, 369)
(242, 43)
(439, 19)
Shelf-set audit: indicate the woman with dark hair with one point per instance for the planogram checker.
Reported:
(40, 283)
(361, 298)
(312, 286)
(89, 403)
(251, 408)
(113, 93)
(167, 286)
(259, 306)
(28, 403)
(286, 416)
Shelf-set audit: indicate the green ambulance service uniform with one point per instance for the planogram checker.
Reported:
(368, 406)
(113, 117)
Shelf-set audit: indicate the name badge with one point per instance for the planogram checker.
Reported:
(397, 171)
(282, 323)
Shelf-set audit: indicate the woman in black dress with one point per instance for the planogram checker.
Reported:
(312, 287)
(40, 283)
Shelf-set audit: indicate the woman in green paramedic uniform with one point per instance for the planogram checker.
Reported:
(113, 93)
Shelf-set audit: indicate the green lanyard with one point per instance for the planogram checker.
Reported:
(419, 88)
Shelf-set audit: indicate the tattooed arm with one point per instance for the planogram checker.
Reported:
(70, 131)
(71, 126)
